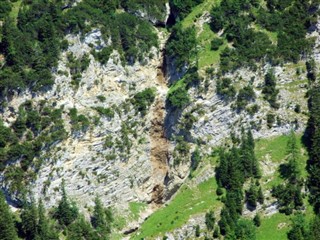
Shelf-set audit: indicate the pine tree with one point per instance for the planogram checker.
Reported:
(245, 230)
(29, 219)
(252, 195)
(314, 232)
(209, 220)
(46, 230)
(81, 229)
(298, 230)
(313, 132)
(257, 220)
(101, 219)
(66, 212)
(289, 194)
(294, 173)
(7, 228)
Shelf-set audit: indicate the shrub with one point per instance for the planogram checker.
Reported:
(216, 43)
(179, 97)
(270, 120)
(142, 100)
(245, 95)
(225, 88)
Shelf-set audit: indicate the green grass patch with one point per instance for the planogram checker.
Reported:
(15, 9)
(273, 36)
(136, 208)
(276, 149)
(274, 227)
(187, 202)
(198, 11)
(206, 56)
(178, 84)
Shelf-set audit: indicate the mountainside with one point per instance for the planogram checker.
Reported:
(181, 119)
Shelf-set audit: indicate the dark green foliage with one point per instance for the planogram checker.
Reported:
(313, 132)
(143, 100)
(235, 166)
(8, 231)
(245, 230)
(32, 46)
(77, 66)
(66, 212)
(247, 155)
(298, 229)
(252, 195)
(289, 194)
(182, 8)
(136, 36)
(216, 43)
(78, 122)
(101, 218)
(45, 229)
(225, 88)
(290, 19)
(29, 217)
(244, 96)
(81, 229)
(103, 55)
(195, 159)
(269, 90)
(181, 46)
(5, 8)
(297, 108)
(197, 233)
(210, 220)
(192, 78)
(314, 232)
(35, 129)
(107, 112)
(216, 232)
(257, 220)
(311, 70)
(270, 120)
(179, 97)
(219, 191)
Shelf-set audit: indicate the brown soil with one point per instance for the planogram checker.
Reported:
(159, 143)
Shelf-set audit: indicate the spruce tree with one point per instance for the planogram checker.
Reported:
(29, 219)
(46, 230)
(289, 193)
(210, 220)
(101, 219)
(314, 232)
(66, 212)
(7, 228)
(313, 132)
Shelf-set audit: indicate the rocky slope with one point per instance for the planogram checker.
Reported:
(130, 157)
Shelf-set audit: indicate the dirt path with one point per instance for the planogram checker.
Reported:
(159, 144)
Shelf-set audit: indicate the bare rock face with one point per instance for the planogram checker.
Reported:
(129, 157)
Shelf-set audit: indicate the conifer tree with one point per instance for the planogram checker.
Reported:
(209, 220)
(29, 219)
(7, 228)
(101, 219)
(66, 212)
(314, 232)
(46, 230)
(313, 131)
(81, 229)
(289, 193)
